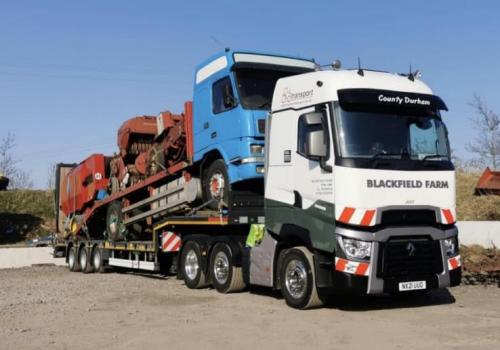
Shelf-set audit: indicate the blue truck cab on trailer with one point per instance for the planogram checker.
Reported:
(232, 94)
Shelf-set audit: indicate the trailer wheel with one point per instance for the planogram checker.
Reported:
(73, 264)
(226, 277)
(216, 184)
(192, 270)
(85, 262)
(114, 221)
(298, 280)
(97, 259)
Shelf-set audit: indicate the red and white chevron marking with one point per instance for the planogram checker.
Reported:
(454, 263)
(360, 217)
(352, 267)
(170, 242)
(367, 217)
(448, 216)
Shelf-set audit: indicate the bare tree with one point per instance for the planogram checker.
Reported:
(486, 145)
(19, 179)
(51, 176)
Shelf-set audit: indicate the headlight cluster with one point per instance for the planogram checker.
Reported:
(256, 149)
(356, 249)
(451, 246)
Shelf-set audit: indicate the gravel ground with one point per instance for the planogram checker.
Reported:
(50, 307)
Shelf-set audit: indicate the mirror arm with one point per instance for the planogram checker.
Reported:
(324, 166)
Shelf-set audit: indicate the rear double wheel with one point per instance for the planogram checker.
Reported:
(226, 277)
(298, 280)
(192, 270)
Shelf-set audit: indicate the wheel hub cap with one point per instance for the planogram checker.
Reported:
(217, 185)
(296, 279)
(221, 267)
(191, 265)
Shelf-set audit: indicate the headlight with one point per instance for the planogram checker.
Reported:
(451, 246)
(257, 149)
(356, 249)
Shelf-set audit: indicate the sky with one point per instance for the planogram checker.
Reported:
(71, 72)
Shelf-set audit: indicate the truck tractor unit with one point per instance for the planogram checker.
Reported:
(278, 174)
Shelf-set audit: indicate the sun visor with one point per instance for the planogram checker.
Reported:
(349, 98)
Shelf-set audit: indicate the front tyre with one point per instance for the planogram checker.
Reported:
(298, 280)
(216, 184)
(226, 277)
(192, 270)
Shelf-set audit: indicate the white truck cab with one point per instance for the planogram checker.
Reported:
(359, 188)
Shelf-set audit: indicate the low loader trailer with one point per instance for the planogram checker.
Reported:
(319, 182)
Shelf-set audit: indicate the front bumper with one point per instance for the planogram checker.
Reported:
(369, 278)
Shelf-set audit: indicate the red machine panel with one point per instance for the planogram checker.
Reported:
(80, 186)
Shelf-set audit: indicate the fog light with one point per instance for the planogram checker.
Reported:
(259, 169)
(451, 246)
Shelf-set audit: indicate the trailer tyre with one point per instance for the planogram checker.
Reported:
(192, 269)
(297, 279)
(226, 278)
(85, 262)
(73, 263)
(98, 259)
(216, 184)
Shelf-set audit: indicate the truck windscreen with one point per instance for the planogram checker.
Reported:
(256, 86)
(398, 135)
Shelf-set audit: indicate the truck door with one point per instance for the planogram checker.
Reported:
(314, 180)
(292, 176)
(224, 120)
(216, 114)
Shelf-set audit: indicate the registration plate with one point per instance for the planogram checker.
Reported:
(414, 285)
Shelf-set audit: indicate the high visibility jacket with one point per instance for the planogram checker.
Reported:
(255, 235)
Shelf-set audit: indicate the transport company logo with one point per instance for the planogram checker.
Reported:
(403, 100)
(406, 184)
(288, 97)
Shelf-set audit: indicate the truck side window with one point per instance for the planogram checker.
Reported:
(222, 96)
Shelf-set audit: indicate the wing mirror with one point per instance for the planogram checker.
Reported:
(315, 143)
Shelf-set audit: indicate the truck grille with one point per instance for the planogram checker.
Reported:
(407, 257)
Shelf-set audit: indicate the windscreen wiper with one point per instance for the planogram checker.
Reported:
(434, 156)
(385, 154)
(265, 105)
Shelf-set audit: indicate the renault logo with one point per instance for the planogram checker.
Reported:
(410, 248)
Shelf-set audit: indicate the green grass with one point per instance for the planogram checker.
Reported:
(25, 214)
(471, 207)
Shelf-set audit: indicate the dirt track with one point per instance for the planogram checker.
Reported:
(49, 307)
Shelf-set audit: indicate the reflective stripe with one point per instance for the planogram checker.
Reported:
(352, 267)
(448, 216)
(360, 217)
(170, 242)
(454, 263)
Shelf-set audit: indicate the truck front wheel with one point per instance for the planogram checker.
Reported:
(226, 277)
(297, 279)
(216, 184)
(192, 270)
